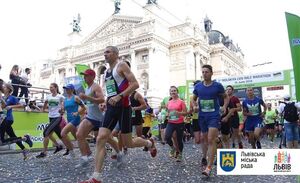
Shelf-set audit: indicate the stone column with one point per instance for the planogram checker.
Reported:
(133, 61)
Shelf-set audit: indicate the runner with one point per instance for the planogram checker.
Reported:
(94, 118)
(55, 103)
(253, 124)
(270, 121)
(71, 105)
(209, 93)
(120, 83)
(137, 104)
(176, 112)
(164, 120)
(195, 124)
(234, 107)
(8, 103)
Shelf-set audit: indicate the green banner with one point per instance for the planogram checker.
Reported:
(182, 92)
(293, 25)
(33, 124)
(81, 68)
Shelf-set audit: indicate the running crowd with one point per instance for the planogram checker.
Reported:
(214, 118)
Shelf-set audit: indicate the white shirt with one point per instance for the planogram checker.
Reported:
(54, 105)
(24, 76)
(282, 105)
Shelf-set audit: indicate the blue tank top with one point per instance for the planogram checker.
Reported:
(93, 111)
(71, 106)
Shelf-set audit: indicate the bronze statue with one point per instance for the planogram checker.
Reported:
(117, 6)
(151, 2)
(75, 23)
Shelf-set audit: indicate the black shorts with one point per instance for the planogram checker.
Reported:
(270, 126)
(225, 127)
(136, 121)
(195, 125)
(235, 122)
(163, 125)
(115, 114)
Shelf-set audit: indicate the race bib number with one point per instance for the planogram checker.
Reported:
(133, 114)
(173, 116)
(207, 105)
(110, 88)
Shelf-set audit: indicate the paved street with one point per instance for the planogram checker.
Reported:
(138, 167)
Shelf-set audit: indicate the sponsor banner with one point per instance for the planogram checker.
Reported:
(258, 162)
(33, 124)
(293, 25)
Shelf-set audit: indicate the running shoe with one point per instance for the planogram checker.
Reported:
(176, 154)
(82, 163)
(203, 162)
(241, 145)
(66, 153)
(207, 171)
(233, 145)
(179, 157)
(28, 140)
(41, 155)
(125, 151)
(153, 150)
(25, 152)
(114, 157)
(92, 180)
(172, 152)
(119, 159)
(58, 148)
(258, 145)
(145, 149)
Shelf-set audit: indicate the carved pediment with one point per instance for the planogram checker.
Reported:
(115, 24)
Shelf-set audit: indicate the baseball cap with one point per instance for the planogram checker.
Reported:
(69, 86)
(286, 96)
(89, 72)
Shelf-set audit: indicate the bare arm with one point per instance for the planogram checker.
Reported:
(82, 106)
(133, 84)
(141, 100)
(98, 97)
(125, 71)
(45, 105)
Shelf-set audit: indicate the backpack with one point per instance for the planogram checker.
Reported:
(290, 112)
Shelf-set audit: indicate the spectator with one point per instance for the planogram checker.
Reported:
(24, 89)
(15, 79)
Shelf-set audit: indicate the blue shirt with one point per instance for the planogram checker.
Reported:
(71, 106)
(253, 106)
(10, 100)
(209, 98)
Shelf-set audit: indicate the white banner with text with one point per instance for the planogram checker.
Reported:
(258, 162)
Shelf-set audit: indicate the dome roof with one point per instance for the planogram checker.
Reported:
(215, 37)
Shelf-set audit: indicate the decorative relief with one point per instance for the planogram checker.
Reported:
(114, 28)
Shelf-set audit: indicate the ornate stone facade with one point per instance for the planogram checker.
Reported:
(161, 55)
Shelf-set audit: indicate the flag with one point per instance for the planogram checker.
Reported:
(81, 68)
(293, 26)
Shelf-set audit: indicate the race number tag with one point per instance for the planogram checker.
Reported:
(110, 88)
(207, 105)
